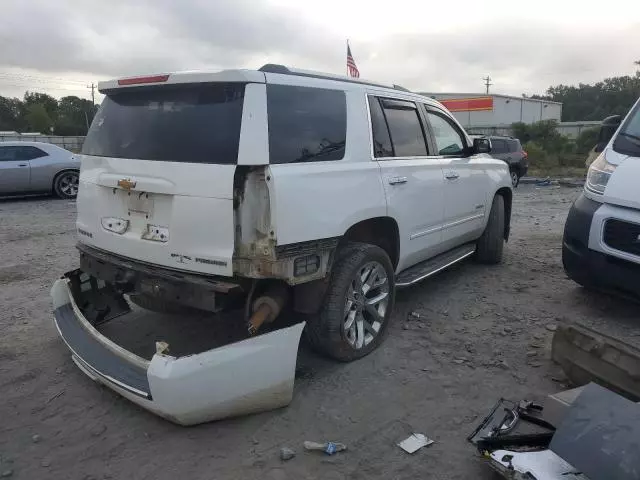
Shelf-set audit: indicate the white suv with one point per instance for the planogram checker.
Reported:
(276, 188)
(338, 188)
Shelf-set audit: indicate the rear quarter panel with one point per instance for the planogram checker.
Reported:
(315, 200)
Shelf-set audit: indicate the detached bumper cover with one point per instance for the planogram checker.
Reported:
(249, 376)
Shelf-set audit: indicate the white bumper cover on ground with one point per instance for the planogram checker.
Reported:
(252, 375)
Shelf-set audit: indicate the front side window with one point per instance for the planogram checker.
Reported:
(405, 128)
(448, 139)
(8, 154)
(306, 124)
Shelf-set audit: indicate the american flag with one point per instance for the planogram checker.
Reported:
(351, 64)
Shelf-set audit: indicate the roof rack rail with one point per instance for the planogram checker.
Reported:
(284, 70)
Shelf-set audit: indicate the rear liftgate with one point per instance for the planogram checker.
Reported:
(251, 375)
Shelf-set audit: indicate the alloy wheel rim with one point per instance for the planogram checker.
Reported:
(366, 305)
(69, 184)
(514, 178)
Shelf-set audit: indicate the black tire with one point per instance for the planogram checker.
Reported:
(325, 330)
(515, 177)
(491, 244)
(65, 184)
(157, 304)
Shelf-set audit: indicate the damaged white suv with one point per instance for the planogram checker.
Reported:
(282, 188)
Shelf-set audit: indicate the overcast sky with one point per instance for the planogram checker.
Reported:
(60, 46)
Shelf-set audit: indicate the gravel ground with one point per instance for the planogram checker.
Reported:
(483, 332)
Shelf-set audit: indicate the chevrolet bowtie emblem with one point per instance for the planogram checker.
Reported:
(126, 183)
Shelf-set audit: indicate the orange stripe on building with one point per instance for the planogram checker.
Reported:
(468, 104)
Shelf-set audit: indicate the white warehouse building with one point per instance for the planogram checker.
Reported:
(494, 110)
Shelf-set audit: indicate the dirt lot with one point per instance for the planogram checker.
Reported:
(482, 333)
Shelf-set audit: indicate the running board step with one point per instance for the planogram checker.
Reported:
(432, 266)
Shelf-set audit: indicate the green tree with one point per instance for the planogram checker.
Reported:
(587, 140)
(74, 116)
(49, 103)
(38, 119)
(11, 114)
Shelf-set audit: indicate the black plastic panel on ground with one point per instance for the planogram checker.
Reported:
(99, 358)
(623, 236)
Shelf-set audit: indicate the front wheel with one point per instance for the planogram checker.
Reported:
(357, 308)
(65, 184)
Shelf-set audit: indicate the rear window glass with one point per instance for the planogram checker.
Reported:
(498, 146)
(306, 124)
(514, 145)
(191, 124)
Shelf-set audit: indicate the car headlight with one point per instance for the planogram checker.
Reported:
(599, 174)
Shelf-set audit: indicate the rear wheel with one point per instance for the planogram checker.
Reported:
(65, 185)
(515, 178)
(358, 304)
(491, 243)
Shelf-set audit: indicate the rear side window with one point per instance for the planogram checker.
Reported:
(191, 124)
(405, 128)
(306, 124)
(8, 154)
(29, 153)
(498, 146)
(381, 141)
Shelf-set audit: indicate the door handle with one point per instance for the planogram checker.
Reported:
(397, 180)
(451, 175)
(23, 165)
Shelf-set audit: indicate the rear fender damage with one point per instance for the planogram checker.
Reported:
(257, 253)
(248, 376)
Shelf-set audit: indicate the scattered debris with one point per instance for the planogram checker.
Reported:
(287, 453)
(551, 327)
(538, 336)
(329, 448)
(59, 394)
(406, 326)
(59, 370)
(535, 345)
(46, 463)
(535, 364)
(503, 364)
(532, 353)
(6, 473)
(458, 361)
(508, 329)
(36, 438)
(544, 183)
(415, 315)
(415, 442)
(162, 348)
(99, 430)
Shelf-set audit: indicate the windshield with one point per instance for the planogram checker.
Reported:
(628, 139)
(187, 123)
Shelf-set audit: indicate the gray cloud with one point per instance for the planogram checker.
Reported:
(113, 38)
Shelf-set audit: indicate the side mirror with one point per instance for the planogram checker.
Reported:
(607, 129)
(481, 145)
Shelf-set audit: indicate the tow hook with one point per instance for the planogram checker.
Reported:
(267, 307)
